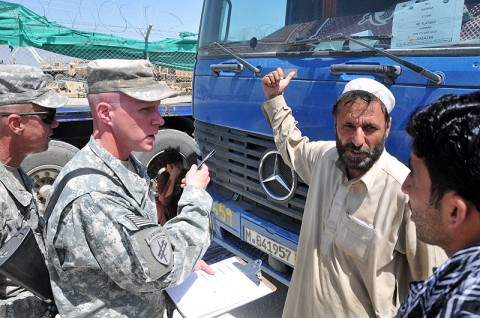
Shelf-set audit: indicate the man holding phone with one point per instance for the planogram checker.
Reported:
(169, 179)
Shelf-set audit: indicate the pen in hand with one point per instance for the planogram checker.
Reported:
(210, 154)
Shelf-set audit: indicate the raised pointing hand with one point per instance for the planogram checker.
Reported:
(274, 83)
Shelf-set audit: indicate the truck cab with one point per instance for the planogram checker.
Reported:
(421, 50)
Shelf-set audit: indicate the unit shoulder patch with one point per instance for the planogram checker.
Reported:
(159, 246)
(156, 250)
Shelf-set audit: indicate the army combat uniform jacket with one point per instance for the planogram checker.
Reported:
(18, 209)
(107, 256)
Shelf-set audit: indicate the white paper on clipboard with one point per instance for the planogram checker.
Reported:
(203, 295)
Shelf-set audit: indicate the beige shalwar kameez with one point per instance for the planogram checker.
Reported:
(358, 248)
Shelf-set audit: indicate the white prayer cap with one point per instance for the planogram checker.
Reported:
(373, 87)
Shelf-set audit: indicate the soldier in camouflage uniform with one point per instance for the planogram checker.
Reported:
(107, 256)
(27, 119)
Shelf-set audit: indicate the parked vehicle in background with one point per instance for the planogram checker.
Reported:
(420, 49)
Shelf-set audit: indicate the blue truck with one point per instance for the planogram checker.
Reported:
(420, 49)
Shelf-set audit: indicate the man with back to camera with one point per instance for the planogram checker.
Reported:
(106, 253)
(357, 249)
(27, 120)
(444, 191)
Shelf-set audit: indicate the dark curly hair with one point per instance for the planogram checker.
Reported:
(172, 155)
(446, 134)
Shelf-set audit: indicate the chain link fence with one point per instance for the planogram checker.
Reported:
(67, 74)
(63, 53)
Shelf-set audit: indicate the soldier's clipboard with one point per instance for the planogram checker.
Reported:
(203, 295)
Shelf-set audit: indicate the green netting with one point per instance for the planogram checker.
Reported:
(20, 27)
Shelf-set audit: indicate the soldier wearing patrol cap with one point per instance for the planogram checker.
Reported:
(107, 256)
(27, 120)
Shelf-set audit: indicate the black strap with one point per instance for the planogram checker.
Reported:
(59, 188)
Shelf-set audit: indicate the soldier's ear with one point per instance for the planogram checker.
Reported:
(103, 112)
(14, 122)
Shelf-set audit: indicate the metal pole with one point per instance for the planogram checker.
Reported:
(147, 57)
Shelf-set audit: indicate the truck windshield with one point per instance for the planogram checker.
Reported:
(267, 26)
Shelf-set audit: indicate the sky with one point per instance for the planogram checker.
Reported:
(128, 18)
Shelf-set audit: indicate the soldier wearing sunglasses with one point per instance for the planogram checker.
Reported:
(27, 120)
(48, 116)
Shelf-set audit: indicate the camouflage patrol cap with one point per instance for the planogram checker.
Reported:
(135, 78)
(23, 84)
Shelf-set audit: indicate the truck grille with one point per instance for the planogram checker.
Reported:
(234, 173)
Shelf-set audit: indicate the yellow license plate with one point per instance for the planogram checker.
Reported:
(269, 246)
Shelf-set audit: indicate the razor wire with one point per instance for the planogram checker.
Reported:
(63, 53)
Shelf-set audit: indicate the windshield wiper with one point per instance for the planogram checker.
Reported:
(339, 37)
(256, 70)
(434, 77)
(213, 44)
